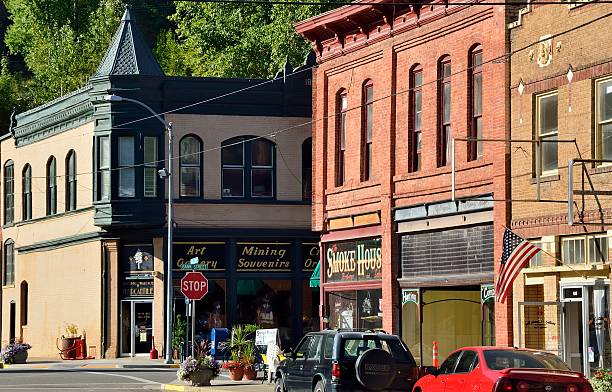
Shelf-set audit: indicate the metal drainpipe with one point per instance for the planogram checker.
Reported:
(104, 288)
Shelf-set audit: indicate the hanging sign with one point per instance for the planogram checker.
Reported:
(410, 296)
(263, 256)
(199, 256)
(487, 292)
(349, 261)
(310, 256)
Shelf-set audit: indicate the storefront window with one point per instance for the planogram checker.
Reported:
(410, 322)
(210, 311)
(310, 307)
(266, 303)
(598, 349)
(355, 309)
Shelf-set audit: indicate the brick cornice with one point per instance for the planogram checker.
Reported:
(556, 224)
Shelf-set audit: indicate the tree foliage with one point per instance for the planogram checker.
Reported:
(234, 40)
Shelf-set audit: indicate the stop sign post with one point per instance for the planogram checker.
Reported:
(194, 285)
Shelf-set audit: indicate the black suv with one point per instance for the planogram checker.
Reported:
(347, 360)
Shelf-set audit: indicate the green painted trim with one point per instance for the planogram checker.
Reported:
(64, 113)
(60, 242)
(55, 216)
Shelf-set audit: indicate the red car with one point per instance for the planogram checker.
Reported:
(496, 369)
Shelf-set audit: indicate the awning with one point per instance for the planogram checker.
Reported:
(315, 281)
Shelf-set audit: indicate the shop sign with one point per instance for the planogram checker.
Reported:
(410, 296)
(353, 261)
(199, 256)
(136, 259)
(263, 256)
(487, 292)
(310, 256)
(137, 288)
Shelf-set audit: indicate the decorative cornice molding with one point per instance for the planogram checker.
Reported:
(60, 242)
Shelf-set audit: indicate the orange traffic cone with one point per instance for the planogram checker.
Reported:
(436, 363)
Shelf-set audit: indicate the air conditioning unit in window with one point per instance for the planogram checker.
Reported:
(226, 192)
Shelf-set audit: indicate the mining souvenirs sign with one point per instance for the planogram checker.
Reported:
(349, 261)
(263, 256)
(199, 256)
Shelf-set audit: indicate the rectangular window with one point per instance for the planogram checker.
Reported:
(445, 133)
(603, 136)
(598, 249)
(127, 187)
(104, 176)
(9, 264)
(9, 188)
(367, 130)
(547, 132)
(150, 166)
(416, 111)
(262, 169)
(573, 250)
(341, 140)
(476, 147)
(536, 261)
(232, 158)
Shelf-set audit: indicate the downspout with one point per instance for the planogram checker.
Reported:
(104, 289)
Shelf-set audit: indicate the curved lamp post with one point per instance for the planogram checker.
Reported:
(164, 173)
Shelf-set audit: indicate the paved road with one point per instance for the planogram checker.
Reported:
(84, 379)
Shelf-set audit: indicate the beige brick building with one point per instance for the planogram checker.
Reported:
(561, 89)
(84, 212)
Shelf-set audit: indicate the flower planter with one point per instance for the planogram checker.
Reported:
(68, 347)
(201, 377)
(236, 373)
(21, 357)
(249, 373)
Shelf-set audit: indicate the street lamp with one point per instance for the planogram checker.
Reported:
(164, 173)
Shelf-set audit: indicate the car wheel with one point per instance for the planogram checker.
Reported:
(278, 385)
(320, 387)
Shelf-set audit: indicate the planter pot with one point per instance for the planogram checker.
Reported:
(249, 373)
(68, 347)
(236, 373)
(21, 357)
(201, 377)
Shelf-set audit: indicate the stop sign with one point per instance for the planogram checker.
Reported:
(194, 285)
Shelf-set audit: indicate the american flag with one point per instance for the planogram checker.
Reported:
(516, 254)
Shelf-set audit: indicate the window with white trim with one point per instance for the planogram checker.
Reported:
(547, 131)
(592, 249)
(536, 261)
(603, 134)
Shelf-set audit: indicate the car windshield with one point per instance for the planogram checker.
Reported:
(504, 359)
(353, 347)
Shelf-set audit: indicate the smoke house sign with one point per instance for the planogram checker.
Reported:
(353, 261)
(263, 256)
(199, 256)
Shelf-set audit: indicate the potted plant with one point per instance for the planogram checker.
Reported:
(235, 369)
(15, 353)
(68, 342)
(602, 380)
(248, 361)
(201, 368)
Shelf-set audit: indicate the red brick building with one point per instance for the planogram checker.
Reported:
(394, 86)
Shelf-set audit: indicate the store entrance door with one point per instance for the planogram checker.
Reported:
(136, 327)
(586, 326)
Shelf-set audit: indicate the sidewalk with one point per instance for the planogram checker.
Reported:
(221, 384)
(115, 363)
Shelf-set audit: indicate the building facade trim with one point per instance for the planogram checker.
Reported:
(60, 242)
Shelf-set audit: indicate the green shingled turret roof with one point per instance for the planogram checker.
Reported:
(128, 53)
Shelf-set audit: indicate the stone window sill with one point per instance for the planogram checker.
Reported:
(547, 178)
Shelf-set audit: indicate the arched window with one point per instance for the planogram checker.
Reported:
(341, 111)
(475, 148)
(248, 168)
(191, 166)
(51, 186)
(444, 137)
(415, 114)
(26, 192)
(71, 181)
(307, 169)
(23, 302)
(367, 130)
(8, 277)
(9, 189)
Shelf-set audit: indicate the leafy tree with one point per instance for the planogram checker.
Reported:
(234, 40)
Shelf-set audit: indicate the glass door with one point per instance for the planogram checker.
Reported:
(136, 327)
